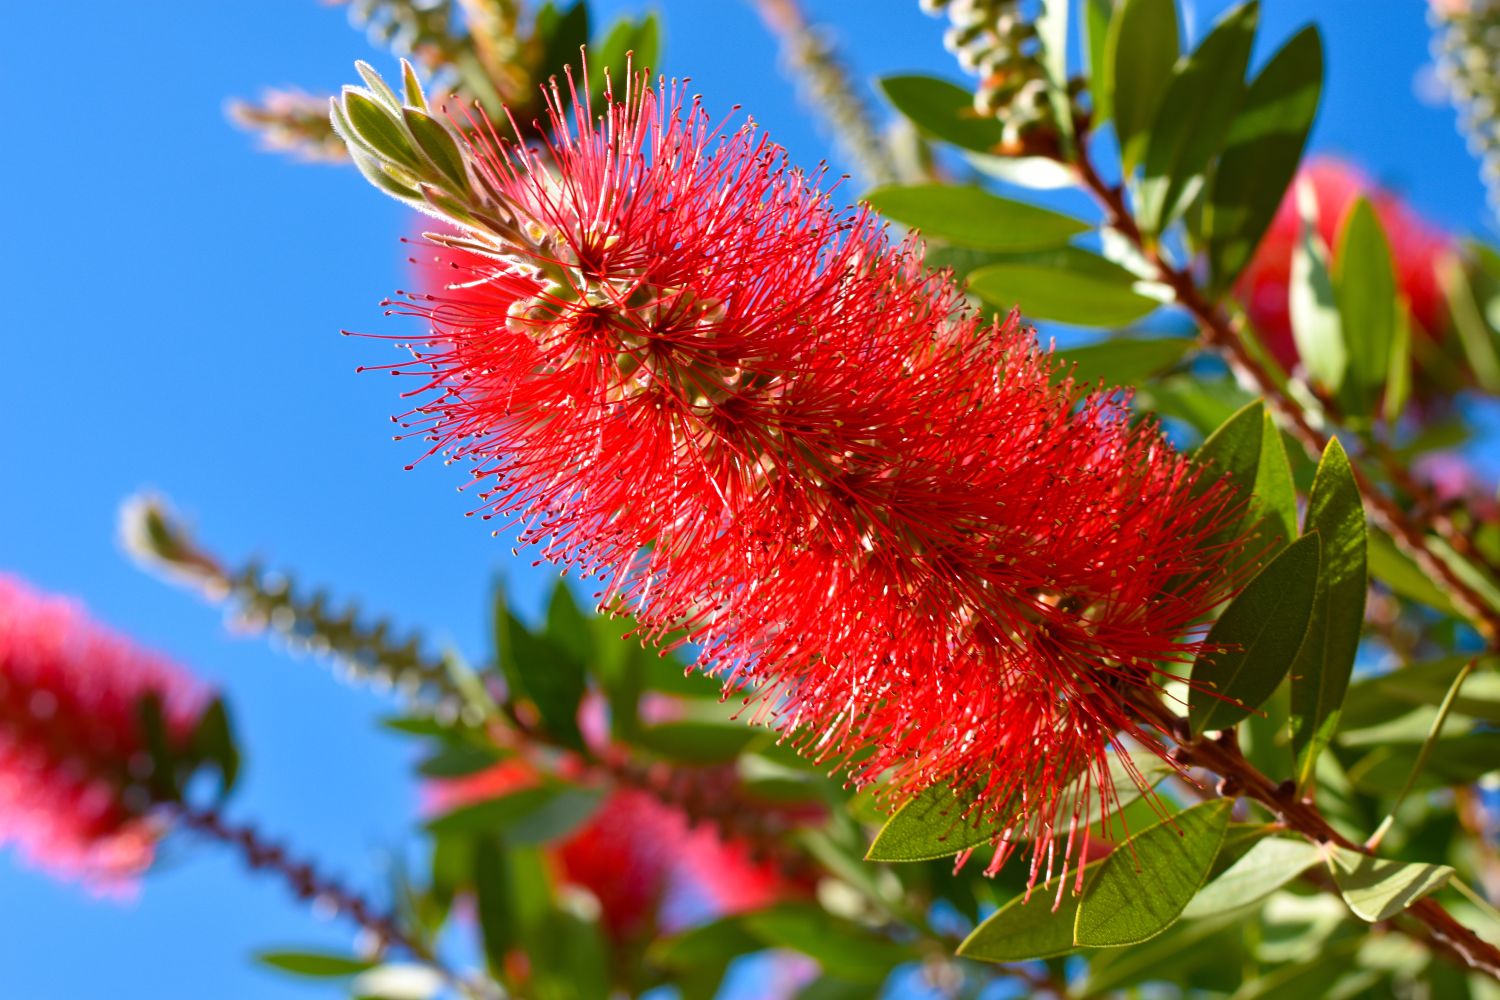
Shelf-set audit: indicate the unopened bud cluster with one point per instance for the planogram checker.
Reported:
(1465, 47)
(997, 41)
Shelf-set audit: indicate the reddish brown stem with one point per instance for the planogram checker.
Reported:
(1220, 333)
(1223, 757)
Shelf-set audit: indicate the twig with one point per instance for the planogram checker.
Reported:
(1219, 332)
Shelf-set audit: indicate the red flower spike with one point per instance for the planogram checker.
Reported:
(1416, 250)
(772, 431)
(71, 743)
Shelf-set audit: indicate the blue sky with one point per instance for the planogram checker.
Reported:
(173, 323)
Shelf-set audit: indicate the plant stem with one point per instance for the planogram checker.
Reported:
(308, 884)
(1219, 332)
(1243, 779)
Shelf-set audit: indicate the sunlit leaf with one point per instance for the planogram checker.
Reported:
(1378, 889)
(972, 217)
(1068, 285)
(1139, 53)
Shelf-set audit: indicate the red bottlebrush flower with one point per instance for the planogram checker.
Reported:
(769, 427)
(638, 856)
(71, 741)
(1416, 248)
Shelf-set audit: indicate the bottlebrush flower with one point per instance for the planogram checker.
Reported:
(72, 745)
(1416, 249)
(771, 429)
(638, 856)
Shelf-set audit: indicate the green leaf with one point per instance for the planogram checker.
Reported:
(542, 670)
(1139, 54)
(841, 947)
(972, 217)
(437, 146)
(1320, 677)
(1364, 285)
(1052, 34)
(1394, 568)
(942, 110)
(1143, 886)
(1124, 360)
(314, 964)
(934, 825)
(563, 34)
(1274, 499)
(1096, 18)
(1452, 761)
(458, 761)
(1398, 383)
(1313, 304)
(528, 816)
(1267, 866)
(1424, 684)
(1069, 285)
(1376, 889)
(697, 742)
(1474, 334)
(382, 133)
(1261, 154)
(1033, 925)
(639, 39)
(708, 944)
(1256, 638)
(1196, 110)
(1233, 450)
(213, 744)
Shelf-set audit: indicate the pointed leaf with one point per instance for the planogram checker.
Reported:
(1068, 285)
(934, 825)
(1124, 361)
(1193, 119)
(1316, 327)
(1038, 925)
(1364, 284)
(314, 964)
(541, 670)
(969, 216)
(1139, 53)
(1274, 500)
(1261, 154)
(1268, 866)
(943, 111)
(1377, 889)
(1320, 677)
(1233, 450)
(1096, 17)
(1143, 886)
(1257, 638)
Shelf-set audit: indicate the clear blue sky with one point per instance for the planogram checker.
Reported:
(173, 323)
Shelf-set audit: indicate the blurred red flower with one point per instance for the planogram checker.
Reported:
(72, 744)
(773, 431)
(641, 858)
(1416, 249)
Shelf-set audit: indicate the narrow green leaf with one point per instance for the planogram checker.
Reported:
(458, 761)
(1268, 866)
(1376, 889)
(841, 947)
(411, 87)
(1261, 154)
(1096, 18)
(527, 816)
(379, 89)
(381, 132)
(1124, 361)
(1364, 284)
(972, 217)
(213, 744)
(562, 34)
(1451, 762)
(1069, 285)
(1316, 328)
(1394, 568)
(1052, 34)
(1320, 677)
(697, 742)
(1398, 382)
(1139, 53)
(314, 964)
(1233, 450)
(715, 942)
(1274, 499)
(1197, 108)
(1031, 926)
(1474, 334)
(542, 670)
(437, 146)
(943, 111)
(492, 898)
(1257, 638)
(1143, 886)
(934, 825)
(1373, 700)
